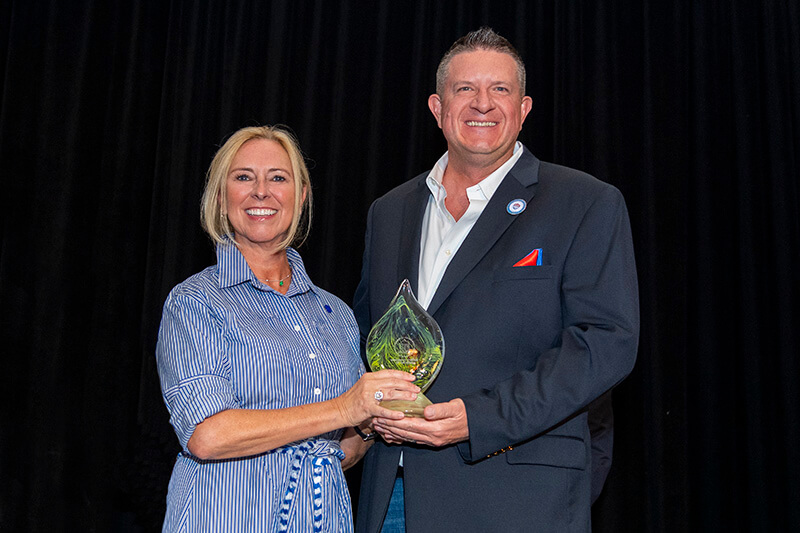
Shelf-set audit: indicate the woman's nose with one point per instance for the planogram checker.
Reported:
(261, 189)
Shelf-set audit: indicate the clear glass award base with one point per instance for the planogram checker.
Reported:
(411, 408)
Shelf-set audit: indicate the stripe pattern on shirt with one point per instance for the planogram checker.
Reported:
(229, 341)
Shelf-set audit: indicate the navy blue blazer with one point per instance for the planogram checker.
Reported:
(527, 349)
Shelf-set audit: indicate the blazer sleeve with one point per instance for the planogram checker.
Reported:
(595, 350)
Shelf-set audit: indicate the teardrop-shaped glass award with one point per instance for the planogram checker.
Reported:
(407, 338)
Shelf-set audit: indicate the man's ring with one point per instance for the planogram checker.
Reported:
(378, 395)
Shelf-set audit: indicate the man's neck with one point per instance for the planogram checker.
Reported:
(470, 170)
(461, 174)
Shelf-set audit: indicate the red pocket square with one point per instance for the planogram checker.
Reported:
(532, 259)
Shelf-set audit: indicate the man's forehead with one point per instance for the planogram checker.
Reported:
(485, 58)
(482, 63)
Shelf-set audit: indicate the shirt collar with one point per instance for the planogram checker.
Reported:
(484, 189)
(233, 269)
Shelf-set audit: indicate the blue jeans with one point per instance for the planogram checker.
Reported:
(395, 521)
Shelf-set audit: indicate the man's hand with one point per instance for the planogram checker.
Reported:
(444, 423)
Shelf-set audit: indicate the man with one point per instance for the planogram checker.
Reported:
(528, 268)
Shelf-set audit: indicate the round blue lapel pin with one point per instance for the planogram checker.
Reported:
(515, 207)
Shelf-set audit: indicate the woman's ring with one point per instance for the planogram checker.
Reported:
(378, 395)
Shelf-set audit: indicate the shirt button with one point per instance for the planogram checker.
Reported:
(447, 252)
(312, 355)
(296, 327)
(317, 391)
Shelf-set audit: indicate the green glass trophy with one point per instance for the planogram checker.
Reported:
(407, 338)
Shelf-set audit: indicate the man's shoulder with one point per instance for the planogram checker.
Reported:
(402, 191)
(572, 181)
(529, 169)
(567, 175)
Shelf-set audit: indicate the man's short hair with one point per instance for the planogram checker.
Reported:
(484, 38)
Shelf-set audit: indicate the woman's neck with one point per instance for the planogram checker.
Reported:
(269, 266)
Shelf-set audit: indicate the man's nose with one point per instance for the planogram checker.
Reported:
(483, 101)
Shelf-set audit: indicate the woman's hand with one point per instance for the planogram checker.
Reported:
(360, 403)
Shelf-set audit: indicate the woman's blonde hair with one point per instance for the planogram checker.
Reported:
(212, 218)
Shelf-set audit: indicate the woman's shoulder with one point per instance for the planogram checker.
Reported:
(197, 286)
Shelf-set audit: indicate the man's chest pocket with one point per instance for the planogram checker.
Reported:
(527, 297)
(543, 272)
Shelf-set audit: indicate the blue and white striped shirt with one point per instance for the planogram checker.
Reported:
(229, 341)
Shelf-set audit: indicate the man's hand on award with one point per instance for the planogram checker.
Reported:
(444, 423)
(363, 400)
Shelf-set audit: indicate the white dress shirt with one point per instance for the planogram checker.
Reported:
(442, 235)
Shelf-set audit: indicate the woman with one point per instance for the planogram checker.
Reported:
(259, 368)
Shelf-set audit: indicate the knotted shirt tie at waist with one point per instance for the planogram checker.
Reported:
(319, 453)
(316, 453)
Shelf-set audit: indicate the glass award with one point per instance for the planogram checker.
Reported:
(407, 338)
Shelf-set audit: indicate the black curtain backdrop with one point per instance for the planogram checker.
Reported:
(111, 110)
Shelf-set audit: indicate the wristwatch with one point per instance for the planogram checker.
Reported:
(366, 437)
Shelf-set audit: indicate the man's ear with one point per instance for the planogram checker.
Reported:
(527, 105)
(435, 105)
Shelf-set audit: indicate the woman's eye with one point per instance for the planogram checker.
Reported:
(242, 177)
(278, 177)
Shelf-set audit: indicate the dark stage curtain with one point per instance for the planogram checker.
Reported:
(111, 110)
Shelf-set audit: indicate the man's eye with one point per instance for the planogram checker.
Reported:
(460, 89)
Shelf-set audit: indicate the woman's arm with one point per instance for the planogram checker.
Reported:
(354, 447)
(243, 432)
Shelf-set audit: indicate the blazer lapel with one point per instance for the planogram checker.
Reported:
(519, 183)
(410, 233)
